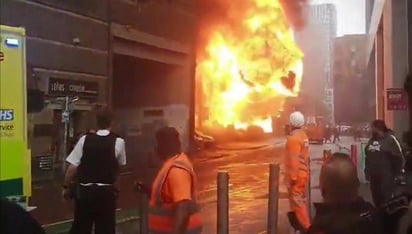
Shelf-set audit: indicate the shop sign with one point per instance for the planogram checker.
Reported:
(66, 87)
(44, 162)
(397, 99)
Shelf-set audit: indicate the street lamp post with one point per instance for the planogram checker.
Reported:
(68, 102)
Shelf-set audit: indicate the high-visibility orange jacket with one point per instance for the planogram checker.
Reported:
(297, 155)
(297, 174)
(163, 197)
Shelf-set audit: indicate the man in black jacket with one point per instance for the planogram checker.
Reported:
(342, 207)
(383, 163)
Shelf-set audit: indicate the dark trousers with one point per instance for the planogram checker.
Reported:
(382, 187)
(94, 206)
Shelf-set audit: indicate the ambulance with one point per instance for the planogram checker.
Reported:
(15, 156)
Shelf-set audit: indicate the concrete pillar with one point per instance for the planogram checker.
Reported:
(380, 94)
(395, 59)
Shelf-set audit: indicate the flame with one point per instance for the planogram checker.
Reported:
(241, 68)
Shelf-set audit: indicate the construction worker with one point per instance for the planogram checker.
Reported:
(297, 168)
(173, 208)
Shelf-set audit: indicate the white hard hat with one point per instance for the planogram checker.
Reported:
(296, 119)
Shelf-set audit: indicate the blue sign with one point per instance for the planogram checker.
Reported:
(6, 115)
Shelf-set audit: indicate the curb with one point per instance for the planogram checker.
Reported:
(122, 216)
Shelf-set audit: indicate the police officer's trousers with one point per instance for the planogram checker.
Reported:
(94, 206)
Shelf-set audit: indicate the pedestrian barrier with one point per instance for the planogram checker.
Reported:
(143, 212)
(354, 154)
(222, 203)
(273, 199)
(361, 165)
(326, 155)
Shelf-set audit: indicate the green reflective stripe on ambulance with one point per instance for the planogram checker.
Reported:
(11, 187)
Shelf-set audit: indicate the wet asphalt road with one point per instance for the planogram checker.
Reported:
(248, 170)
(248, 188)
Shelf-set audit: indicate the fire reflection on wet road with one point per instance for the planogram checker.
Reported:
(248, 184)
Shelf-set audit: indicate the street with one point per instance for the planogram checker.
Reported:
(231, 79)
(248, 187)
(248, 168)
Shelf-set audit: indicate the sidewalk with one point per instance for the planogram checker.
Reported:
(316, 154)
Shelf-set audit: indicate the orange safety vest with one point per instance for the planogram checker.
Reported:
(161, 215)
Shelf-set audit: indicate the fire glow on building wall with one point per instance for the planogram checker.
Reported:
(249, 66)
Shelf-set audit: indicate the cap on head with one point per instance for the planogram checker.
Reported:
(296, 119)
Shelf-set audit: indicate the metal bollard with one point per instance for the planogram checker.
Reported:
(362, 164)
(326, 155)
(222, 203)
(309, 191)
(143, 211)
(273, 200)
(354, 154)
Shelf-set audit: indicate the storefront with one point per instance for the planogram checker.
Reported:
(47, 128)
(153, 86)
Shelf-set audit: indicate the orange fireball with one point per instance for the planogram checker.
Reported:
(249, 66)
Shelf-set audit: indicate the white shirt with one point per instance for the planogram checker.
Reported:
(76, 155)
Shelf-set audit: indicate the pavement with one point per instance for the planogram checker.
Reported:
(316, 154)
(248, 168)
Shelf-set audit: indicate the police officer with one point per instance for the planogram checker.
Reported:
(95, 162)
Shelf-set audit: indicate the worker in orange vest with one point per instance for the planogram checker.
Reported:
(173, 208)
(297, 168)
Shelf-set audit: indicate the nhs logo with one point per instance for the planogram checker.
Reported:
(6, 115)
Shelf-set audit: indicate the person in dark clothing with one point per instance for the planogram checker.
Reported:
(342, 207)
(336, 134)
(15, 220)
(384, 162)
(328, 134)
(95, 162)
